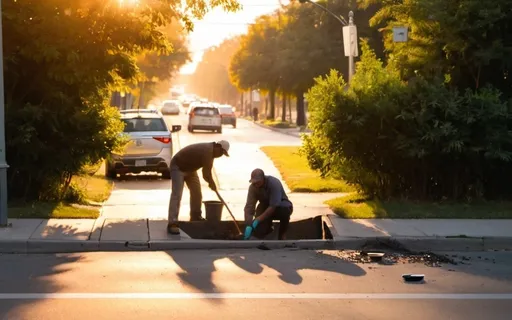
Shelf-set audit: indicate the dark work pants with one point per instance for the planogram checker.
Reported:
(282, 214)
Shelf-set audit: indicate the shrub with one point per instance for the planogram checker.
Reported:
(49, 143)
(415, 140)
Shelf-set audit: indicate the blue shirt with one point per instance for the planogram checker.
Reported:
(271, 193)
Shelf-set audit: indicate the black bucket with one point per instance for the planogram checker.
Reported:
(213, 210)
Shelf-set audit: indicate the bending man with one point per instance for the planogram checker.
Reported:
(184, 166)
(273, 205)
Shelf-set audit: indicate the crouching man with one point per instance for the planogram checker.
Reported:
(273, 204)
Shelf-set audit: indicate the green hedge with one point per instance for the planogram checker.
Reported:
(420, 140)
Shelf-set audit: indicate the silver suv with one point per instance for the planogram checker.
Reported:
(150, 147)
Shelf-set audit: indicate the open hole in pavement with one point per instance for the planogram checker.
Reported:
(307, 229)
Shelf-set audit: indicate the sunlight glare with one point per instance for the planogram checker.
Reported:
(128, 2)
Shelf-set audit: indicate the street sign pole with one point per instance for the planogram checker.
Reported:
(351, 66)
(3, 163)
(350, 44)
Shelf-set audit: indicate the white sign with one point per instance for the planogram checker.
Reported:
(350, 41)
(400, 34)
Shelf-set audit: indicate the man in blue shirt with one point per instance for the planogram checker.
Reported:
(273, 205)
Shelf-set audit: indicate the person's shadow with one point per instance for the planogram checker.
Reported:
(289, 268)
(198, 271)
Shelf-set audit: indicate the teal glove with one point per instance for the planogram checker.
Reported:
(249, 229)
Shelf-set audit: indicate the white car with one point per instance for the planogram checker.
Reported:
(150, 147)
(171, 107)
(204, 117)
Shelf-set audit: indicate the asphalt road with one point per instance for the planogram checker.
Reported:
(206, 285)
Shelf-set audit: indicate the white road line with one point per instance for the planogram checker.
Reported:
(309, 296)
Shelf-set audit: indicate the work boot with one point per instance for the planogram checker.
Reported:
(173, 228)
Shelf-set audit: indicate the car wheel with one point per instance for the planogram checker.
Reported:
(219, 130)
(234, 124)
(166, 175)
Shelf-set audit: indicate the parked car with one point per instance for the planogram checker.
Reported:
(204, 117)
(171, 107)
(150, 147)
(227, 114)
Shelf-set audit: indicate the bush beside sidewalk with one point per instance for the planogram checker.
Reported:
(300, 178)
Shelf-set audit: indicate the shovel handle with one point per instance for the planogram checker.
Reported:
(229, 210)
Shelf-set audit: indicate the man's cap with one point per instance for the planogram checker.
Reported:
(225, 146)
(257, 175)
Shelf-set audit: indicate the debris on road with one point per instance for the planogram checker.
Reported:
(413, 277)
(389, 258)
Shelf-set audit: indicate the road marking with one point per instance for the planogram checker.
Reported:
(309, 296)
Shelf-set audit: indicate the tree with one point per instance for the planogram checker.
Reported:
(62, 59)
(308, 43)
(159, 67)
(211, 77)
(256, 63)
(467, 41)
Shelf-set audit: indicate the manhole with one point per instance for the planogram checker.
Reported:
(307, 229)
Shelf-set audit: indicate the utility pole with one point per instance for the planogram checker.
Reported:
(3, 162)
(349, 35)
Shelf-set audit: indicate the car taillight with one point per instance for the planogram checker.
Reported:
(191, 114)
(163, 139)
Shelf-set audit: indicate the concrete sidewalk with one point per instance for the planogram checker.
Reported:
(109, 234)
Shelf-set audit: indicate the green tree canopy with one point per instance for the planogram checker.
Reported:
(467, 41)
(62, 59)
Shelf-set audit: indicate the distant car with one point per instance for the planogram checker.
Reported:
(150, 147)
(204, 117)
(171, 107)
(227, 114)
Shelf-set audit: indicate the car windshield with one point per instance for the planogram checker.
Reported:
(225, 110)
(141, 124)
(202, 111)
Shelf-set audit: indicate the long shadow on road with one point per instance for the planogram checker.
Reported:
(18, 274)
(198, 272)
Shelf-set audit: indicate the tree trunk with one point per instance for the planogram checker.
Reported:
(272, 98)
(283, 111)
(301, 115)
(290, 108)
(242, 109)
(250, 102)
(265, 112)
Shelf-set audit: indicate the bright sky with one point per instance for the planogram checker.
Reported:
(218, 25)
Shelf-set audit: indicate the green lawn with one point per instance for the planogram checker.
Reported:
(296, 173)
(47, 210)
(355, 206)
(95, 187)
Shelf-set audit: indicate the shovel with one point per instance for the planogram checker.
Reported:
(229, 210)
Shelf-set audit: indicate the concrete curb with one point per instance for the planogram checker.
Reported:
(425, 244)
